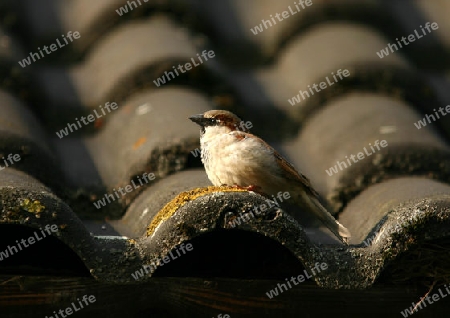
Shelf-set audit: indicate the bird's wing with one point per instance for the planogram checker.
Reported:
(309, 196)
(286, 168)
(290, 173)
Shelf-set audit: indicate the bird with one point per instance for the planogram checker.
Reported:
(233, 156)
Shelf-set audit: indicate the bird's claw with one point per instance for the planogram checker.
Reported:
(253, 188)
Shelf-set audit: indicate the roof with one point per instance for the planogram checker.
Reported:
(168, 243)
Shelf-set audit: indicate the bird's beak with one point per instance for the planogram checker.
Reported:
(200, 119)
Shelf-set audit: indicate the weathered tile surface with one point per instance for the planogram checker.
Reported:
(395, 199)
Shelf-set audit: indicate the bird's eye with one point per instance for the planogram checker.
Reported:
(212, 121)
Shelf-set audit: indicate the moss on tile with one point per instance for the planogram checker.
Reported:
(32, 206)
(170, 208)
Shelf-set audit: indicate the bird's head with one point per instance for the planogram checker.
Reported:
(219, 121)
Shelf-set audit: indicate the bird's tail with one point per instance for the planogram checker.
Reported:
(328, 220)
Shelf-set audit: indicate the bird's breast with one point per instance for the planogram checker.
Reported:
(242, 161)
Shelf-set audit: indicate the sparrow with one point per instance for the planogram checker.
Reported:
(233, 156)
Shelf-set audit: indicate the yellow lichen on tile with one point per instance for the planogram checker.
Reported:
(32, 207)
(170, 208)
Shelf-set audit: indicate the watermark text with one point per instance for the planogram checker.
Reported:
(24, 243)
(169, 75)
(302, 95)
(90, 119)
(108, 197)
(297, 280)
(84, 302)
(281, 16)
(411, 38)
(423, 122)
(148, 268)
(342, 165)
(37, 56)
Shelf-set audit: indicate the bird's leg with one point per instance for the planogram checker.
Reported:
(253, 188)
